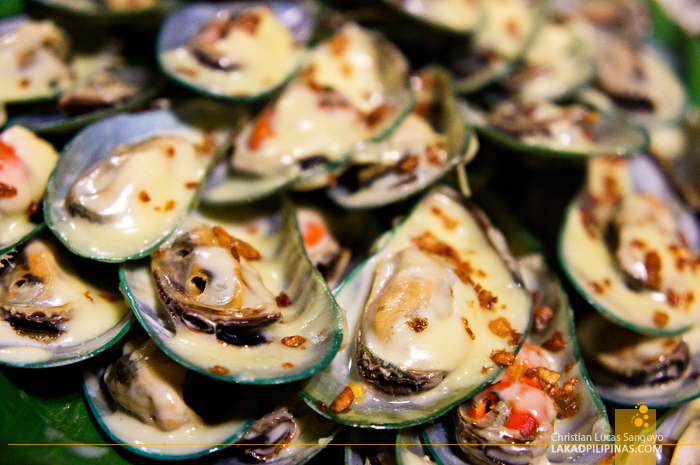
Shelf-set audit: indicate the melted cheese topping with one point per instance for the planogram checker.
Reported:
(643, 73)
(413, 289)
(461, 15)
(299, 126)
(93, 311)
(590, 264)
(266, 57)
(508, 24)
(204, 350)
(413, 138)
(191, 438)
(559, 59)
(25, 165)
(450, 223)
(137, 194)
(33, 62)
(349, 63)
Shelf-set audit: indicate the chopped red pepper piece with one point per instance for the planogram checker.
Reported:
(525, 424)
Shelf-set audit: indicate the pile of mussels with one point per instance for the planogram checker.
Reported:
(280, 197)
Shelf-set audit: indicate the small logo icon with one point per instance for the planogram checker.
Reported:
(641, 419)
(635, 435)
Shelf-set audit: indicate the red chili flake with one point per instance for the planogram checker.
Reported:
(32, 208)
(169, 205)
(248, 22)
(191, 72)
(378, 114)
(7, 191)
(218, 370)
(672, 298)
(513, 28)
(87, 295)
(338, 44)
(262, 129)
(345, 69)
(283, 300)
(144, 197)
(660, 319)
(597, 288)
(287, 365)
(652, 262)
(407, 164)
(417, 324)
(108, 297)
(191, 185)
(449, 222)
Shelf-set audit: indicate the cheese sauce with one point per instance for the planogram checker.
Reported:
(265, 57)
(591, 266)
(194, 437)
(25, 165)
(450, 223)
(136, 194)
(33, 58)
(273, 358)
(298, 127)
(94, 310)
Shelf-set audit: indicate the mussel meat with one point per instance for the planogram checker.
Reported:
(204, 278)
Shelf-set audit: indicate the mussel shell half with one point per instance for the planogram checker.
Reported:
(448, 122)
(90, 311)
(645, 178)
(45, 118)
(675, 378)
(35, 159)
(227, 186)
(180, 26)
(615, 136)
(591, 417)
(378, 409)
(97, 142)
(234, 414)
(8, 26)
(313, 433)
(313, 313)
(500, 67)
